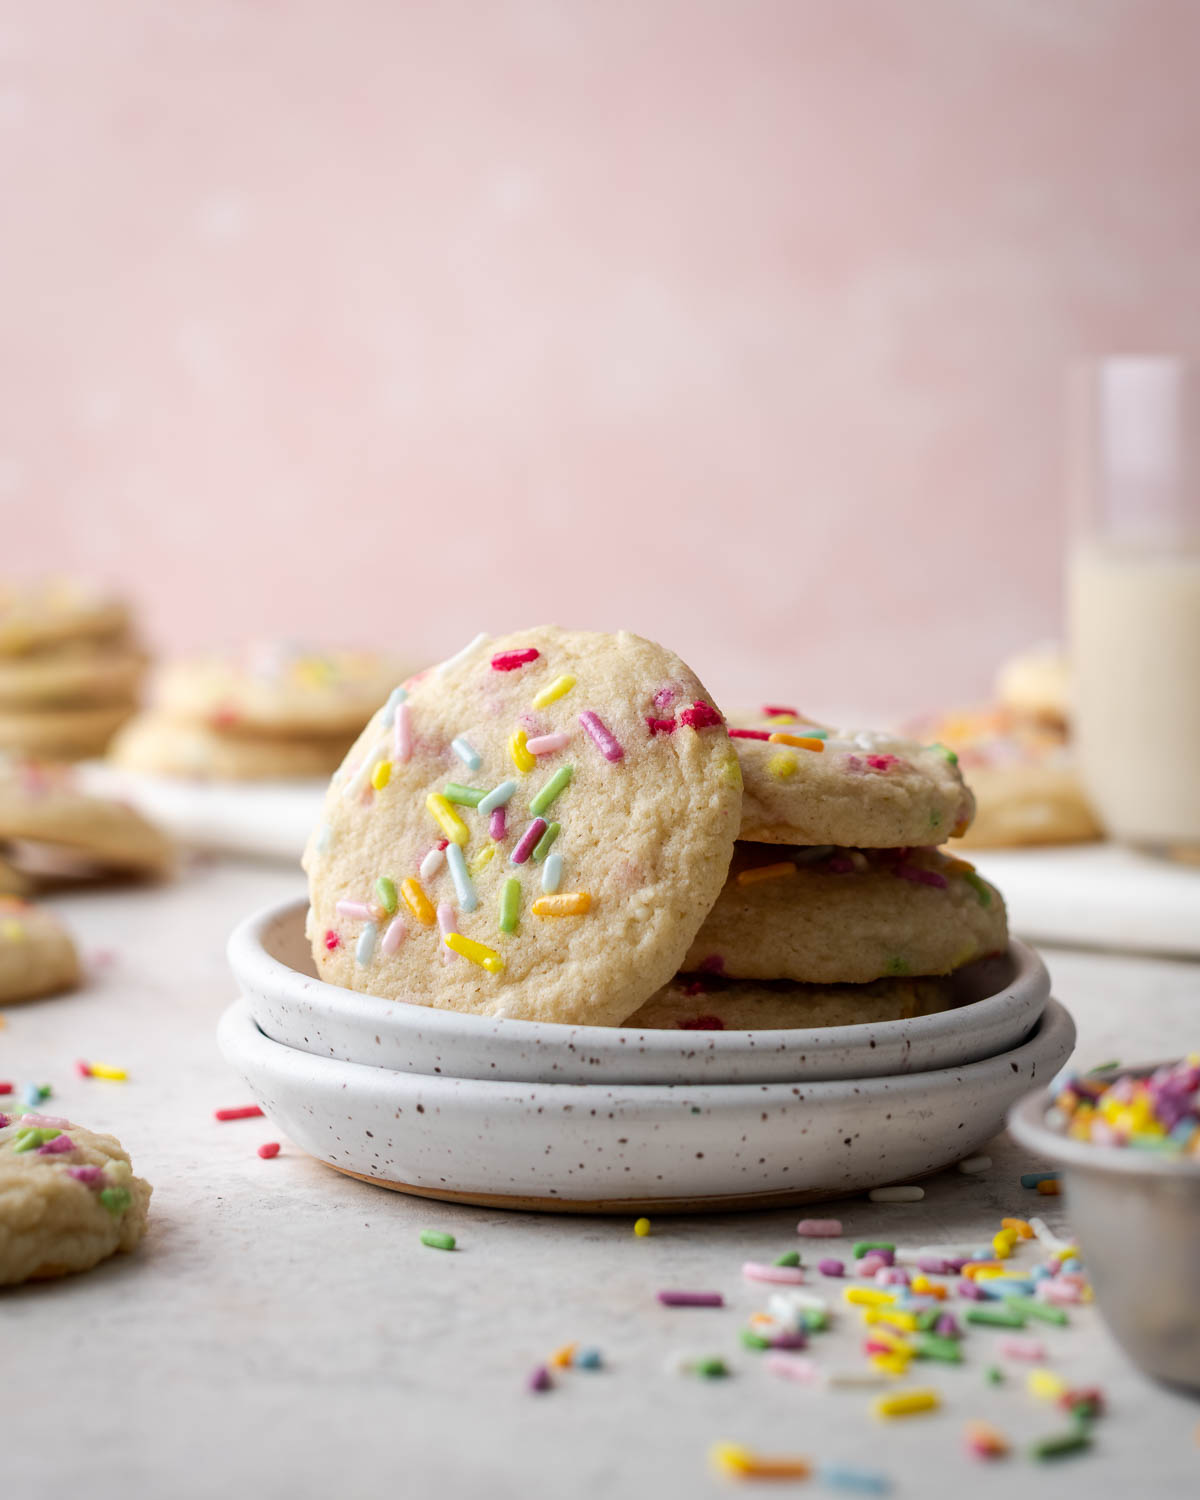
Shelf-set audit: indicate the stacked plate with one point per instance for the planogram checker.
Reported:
(596, 1119)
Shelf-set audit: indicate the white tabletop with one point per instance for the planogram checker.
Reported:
(282, 1331)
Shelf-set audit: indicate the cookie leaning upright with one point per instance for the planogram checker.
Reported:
(534, 829)
(808, 784)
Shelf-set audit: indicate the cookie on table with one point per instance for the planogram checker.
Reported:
(280, 689)
(822, 915)
(42, 809)
(708, 1003)
(534, 829)
(37, 956)
(60, 733)
(73, 675)
(68, 1198)
(13, 882)
(48, 612)
(158, 745)
(806, 783)
(1036, 685)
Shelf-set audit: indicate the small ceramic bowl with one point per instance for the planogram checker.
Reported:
(617, 1148)
(1001, 1000)
(1137, 1219)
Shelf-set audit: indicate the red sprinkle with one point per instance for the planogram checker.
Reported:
(268, 1150)
(749, 734)
(509, 661)
(242, 1112)
(443, 843)
(6, 1088)
(703, 1023)
(697, 987)
(661, 726)
(83, 1069)
(713, 964)
(771, 709)
(700, 716)
(839, 864)
(882, 762)
(332, 940)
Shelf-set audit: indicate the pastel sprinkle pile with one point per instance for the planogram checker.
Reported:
(1159, 1112)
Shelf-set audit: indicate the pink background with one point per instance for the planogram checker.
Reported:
(740, 325)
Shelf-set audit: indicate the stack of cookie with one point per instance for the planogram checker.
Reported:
(558, 826)
(273, 712)
(70, 671)
(37, 955)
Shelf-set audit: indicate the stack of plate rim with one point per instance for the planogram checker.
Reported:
(527, 1114)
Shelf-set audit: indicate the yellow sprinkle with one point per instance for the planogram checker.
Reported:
(782, 719)
(448, 820)
(11, 931)
(521, 757)
(973, 1268)
(868, 1296)
(731, 772)
(766, 872)
(729, 1458)
(955, 865)
(554, 692)
(641, 1227)
(568, 904)
(486, 958)
(485, 856)
(885, 1334)
(801, 741)
(905, 1321)
(739, 1463)
(1046, 1385)
(563, 1357)
(417, 901)
(905, 1403)
(1002, 1244)
(782, 766)
(895, 1363)
(102, 1070)
(989, 1273)
(381, 775)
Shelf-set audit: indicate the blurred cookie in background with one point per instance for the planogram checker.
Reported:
(1034, 687)
(37, 955)
(156, 744)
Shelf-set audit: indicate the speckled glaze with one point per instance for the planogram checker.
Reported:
(1001, 1001)
(616, 1148)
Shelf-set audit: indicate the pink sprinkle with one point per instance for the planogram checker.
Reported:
(4, 1120)
(1057, 1292)
(819, 1229)
(703, 1023)
(891, 1276)
(442, 845)
(528, 839)
(356, 909)
(540, 1380)
(402, 733)
(876, 1346)
(701, 716)
(713, 964)
(28, 1119)
(605, 742)
(394, 936)
(691, 1299)
(968, 1289)
(332, 940)
(839, 864)
(89, 1176)
(749, 734)
(268, 1149)
(664, 697)
(882, 762)
(55, 1147)
(757, 1270)
(661, 726)
(921, 877)
(446, 924)
(1023, 1348)
(84, 1069)
(934, 1265)
(831, 1267)
(696, 987)
(772, 710)
(509, 661)
(547, 744)
(875, 1261)
(793, 1367)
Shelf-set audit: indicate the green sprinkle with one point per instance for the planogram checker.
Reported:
(542, 847)
(994, 1375)
(31, 1136)
(386, 890)
(863, 1247)
(510, 904)
(815, 1319)
(752, 1340)
(116, 1200)
(788, 1258)
(927, 1318)
(1061, 1444)
(933, 1346)
(436, 1240)
(946, 751)
(1105, 1067)
(1042, 1312)
(935, 818)
(815, 734)
(995, 1316)
(553, 787)
(465, 796)
(711, 1369)
(980, 886)
(897, 965)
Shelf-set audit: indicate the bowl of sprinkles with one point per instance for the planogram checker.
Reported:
(1128, 1143)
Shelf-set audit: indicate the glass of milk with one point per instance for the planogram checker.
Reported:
(1134, 599)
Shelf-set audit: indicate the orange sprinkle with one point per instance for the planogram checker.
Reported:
(563, 1357)
(417, 901)
(973, 1267)
(1019, 1227)
(986, 1441)
(766, 872)
(568, 904)
(1048, 1187)
(955, 865)
(801, 741)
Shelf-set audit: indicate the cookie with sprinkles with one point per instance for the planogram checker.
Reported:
(535, 828)
(806, 783)
(824, 915)
(37, 956)
(68, 1198)
(45, 613)
(706, 1002)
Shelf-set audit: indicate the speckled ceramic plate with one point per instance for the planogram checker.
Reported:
(1001, 1000)
(623, 1147)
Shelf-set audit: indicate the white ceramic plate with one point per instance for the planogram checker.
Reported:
(621, 1148)
(269, 953)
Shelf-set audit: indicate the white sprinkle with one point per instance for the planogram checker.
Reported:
(366, 943)
(1046, 1236)
(432, 863)
(904, 1194)
(857, 1379)
(357, 911)
(459, 656)
(757, 1270)
(466, 752)
(552, 873)
(975, 1164)
(446, 923)
(792, 1366)
(395, 698)
(323, 838)
(499, 796)
(464, 886)
(357, 784)
(789, 1306)
(402, 734)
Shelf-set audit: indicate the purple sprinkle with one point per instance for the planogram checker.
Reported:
(921, 877)
(968, 1289)
(839, 864)
(59, 1144)
(528, 839)
(713, 964)
(831, 1268)
(933, 1265)
(4, 1120)
(605, 742)
(89, 1176)
(796, 1340)
(873, 1261)
(540, 1379)
(956, 1262)
(496, 824)
(947, 1326)
(691, 1299)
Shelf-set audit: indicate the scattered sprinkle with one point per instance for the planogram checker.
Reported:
(691, 1299)
(904, 1194)
(397, 931)
(552, 873)
(364, 949)
(906, 1403)
(603, 738)
(466, 752)
(510, 904)
(509, 661)
(438, 1239)
(381, 775)
(820, 1229)
(447, 819)
(460, 656)
(464, 886)
(641, 1227)
(566, 904)
(463, 796)
(499, 796)
(417, 901)
(528, 841)
(478, 953)
(268, 1149)
(518, 749)
(556, 690)
(540, 1379)
(552, 790)
(385, 889)
(241, 1112)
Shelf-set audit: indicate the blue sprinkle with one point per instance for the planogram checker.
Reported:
(1031, 1179)
(323, 838)
(997, 1288)
(366, 943)
(497, 797)
(464, 886)
(1072, 1263)
(1039, 1273)
(552, 873)
(864, 1481)
(588, 1359)
(36, 1093)
(395, 698)
(467, 753)
(982, 1252)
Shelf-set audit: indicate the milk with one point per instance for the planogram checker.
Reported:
(1135, 648)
